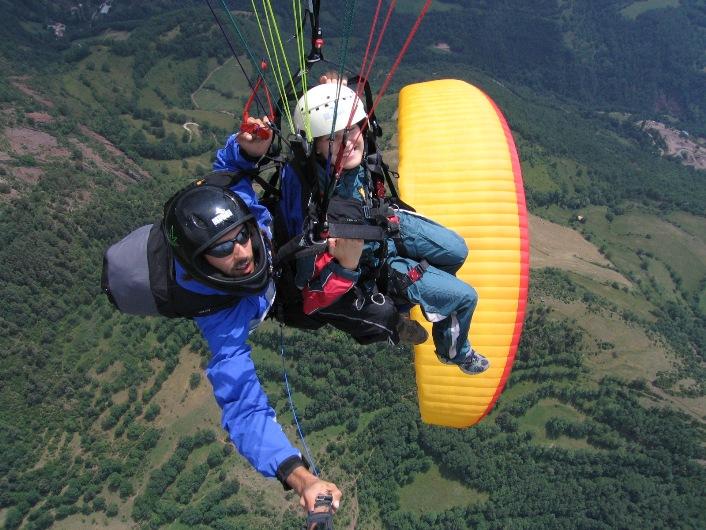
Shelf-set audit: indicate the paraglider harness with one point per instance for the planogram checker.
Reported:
(375, 219)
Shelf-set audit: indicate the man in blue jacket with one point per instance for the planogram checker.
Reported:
(219, 237)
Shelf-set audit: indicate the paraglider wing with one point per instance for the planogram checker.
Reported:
(458, 165)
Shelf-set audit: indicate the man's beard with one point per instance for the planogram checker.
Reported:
(241, 267)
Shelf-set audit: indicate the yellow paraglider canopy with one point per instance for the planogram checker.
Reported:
(459, 166)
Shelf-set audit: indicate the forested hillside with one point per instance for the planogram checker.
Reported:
(107, 420)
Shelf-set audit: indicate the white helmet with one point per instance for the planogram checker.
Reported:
(320, 102)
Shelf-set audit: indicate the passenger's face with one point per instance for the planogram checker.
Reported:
(352, 149)
(241, 260)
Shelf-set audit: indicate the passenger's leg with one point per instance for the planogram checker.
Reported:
(447, 302)
(423, 238)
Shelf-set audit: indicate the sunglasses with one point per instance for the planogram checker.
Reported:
(225, 248)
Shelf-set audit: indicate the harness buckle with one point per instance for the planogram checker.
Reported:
(378, 299)
(401, 282)
(415, 273)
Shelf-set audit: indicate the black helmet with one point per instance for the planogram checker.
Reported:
(200, 214)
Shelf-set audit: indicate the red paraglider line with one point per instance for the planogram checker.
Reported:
(370, 40)
(365, 69)
(388, 78)
(405, 46)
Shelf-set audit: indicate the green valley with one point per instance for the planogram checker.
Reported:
(108, 420)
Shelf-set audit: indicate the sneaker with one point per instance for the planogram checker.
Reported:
(474, 363)
(410, 331)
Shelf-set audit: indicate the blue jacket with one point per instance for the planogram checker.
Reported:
(246, 413)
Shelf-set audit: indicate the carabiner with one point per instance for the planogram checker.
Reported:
(378, 299)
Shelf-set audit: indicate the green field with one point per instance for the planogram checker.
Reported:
(103, 82)
(218, 119)
(654, 249)
(631, 353)
(515, 391)
(436, 491)
(535, 419)
(637, 8)
(226, 88)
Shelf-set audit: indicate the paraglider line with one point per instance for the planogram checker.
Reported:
(309, 457)
(254, 63)
(366, 67)
(393, 69)
(230, 45)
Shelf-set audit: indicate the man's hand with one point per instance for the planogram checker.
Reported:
(308, 486)
(346, 251)
(332, 77)
(252, 144)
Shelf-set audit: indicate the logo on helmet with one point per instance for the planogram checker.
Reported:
(172, 237)
(221, 216)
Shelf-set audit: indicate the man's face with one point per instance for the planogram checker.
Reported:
(241, 260)
(352, 150)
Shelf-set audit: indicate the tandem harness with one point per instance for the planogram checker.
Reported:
(325, 215)
(376, 220)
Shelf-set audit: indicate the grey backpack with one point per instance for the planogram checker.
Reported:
(139, 279)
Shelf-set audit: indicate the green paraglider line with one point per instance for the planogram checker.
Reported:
(247, 48)
(235, 55)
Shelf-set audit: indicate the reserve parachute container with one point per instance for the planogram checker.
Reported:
(458, 165)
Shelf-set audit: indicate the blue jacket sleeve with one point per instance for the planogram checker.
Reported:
(247, 415)
(231, 158)
(290, 203)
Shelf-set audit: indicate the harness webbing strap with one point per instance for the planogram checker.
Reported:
(400, 281)
(270, 188)
(297, 248)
